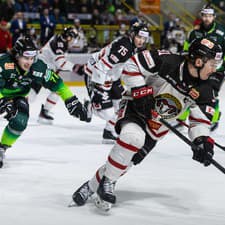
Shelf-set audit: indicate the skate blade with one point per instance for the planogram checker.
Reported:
(102, 205)
(88, 106)
(72, 204)
(45, 121)
(108, 141)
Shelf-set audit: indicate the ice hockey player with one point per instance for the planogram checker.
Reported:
(209, 28)
(103, 72)
(159, 85)
(17, 70)
(53, 54)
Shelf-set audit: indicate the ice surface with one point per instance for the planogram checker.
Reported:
(48, 163)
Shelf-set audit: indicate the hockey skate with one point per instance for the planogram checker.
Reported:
(2, 154)
(87, 105)
(105, 197)
(44, 116)
(108, 137)
(81, 195)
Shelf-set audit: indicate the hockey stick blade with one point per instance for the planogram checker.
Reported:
(187, 141)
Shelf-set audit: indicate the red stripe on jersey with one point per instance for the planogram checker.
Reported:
(63, 64)
(199, 120)
(107, 64)
(111, 122)
(131, 73)
(97, 176)
(88, 70)
(135, 61)
(50, 101)
(127, 146)
(60, 57)
(116, 164)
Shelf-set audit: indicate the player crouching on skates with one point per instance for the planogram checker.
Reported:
(17, 70)
(159, 85)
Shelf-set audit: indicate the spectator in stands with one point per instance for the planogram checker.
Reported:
(58, 16)
(84, 6)
(44, 4)
(168, 25)
(96, 18)
(59, 4)
(175, 37)
(48, 24)
(21, 6)
(121, 31)
(9, 10)
(72, 6)
(18, 27)
(92, 41)
(119, 16)
(98, 4)
(35, 37)
(5, 37)
(197, 22)
(222, 5)
(32, 6)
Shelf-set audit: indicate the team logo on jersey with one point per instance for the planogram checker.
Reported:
(167, 106)
(9, 66)
(37, 74)
(47, 75)
(194, 93)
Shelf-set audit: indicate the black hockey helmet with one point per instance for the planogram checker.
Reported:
(139, 28)
(24, 46)
(205, 49)
(69, 32)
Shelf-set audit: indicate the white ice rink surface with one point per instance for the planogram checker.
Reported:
(48, 163)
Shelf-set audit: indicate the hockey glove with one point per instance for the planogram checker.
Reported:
(76, 109)
(7, 108)
(78, 69)
(100, 98)
(143, 101)
(204, 151)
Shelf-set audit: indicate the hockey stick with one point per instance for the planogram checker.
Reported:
(186, 125)
(187, 141)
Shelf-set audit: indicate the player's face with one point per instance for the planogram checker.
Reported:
(25, 62)
(139, 41)
(209, 67)
(207, 19)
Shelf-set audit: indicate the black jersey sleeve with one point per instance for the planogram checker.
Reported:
(58, 46)
(121, 50)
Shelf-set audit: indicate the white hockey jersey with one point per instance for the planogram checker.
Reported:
(107, 64)
(174, 91)
(53, 54)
